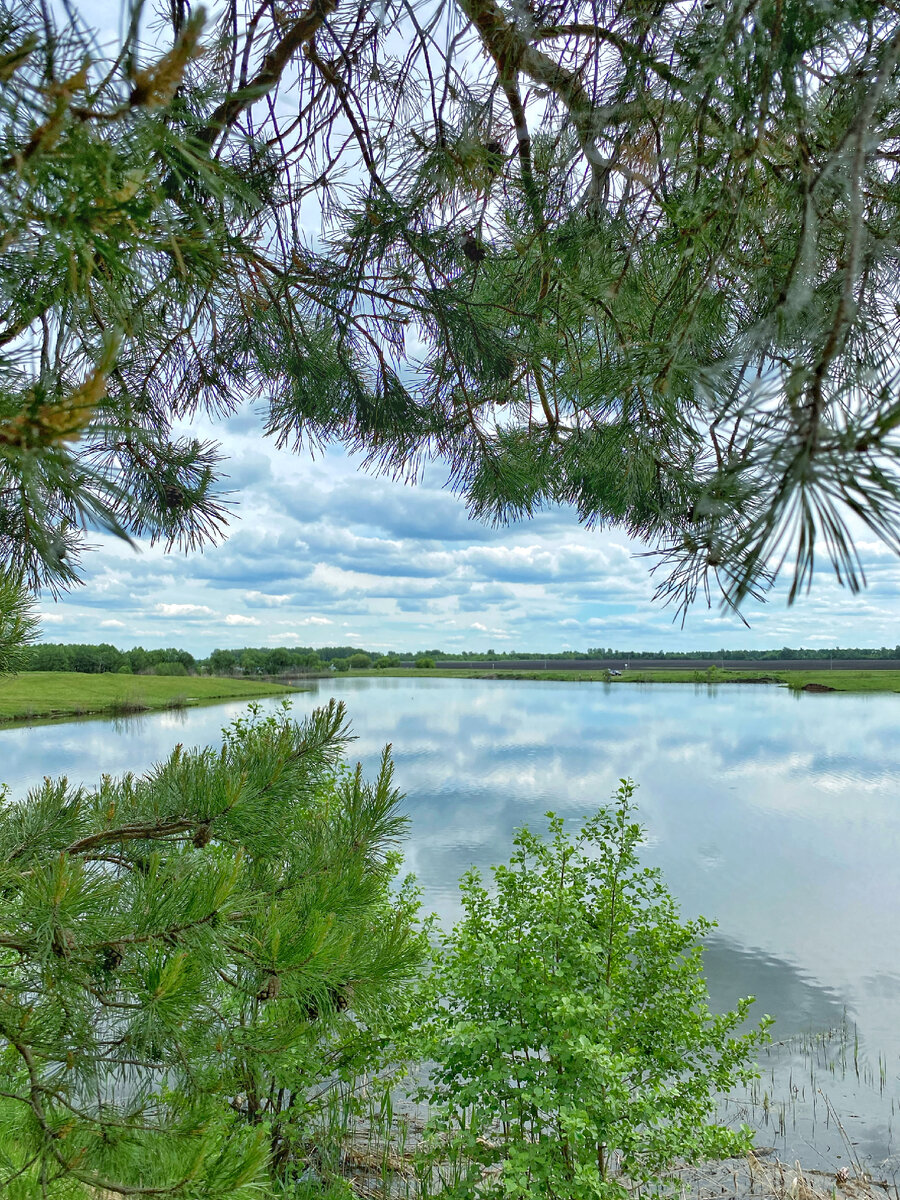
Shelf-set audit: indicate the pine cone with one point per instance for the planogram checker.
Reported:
(472, 248)
(63, 942)
(494, 153)
(173, 495)
(110, 958)
(339, 998)
(271, 989)
(203, 835)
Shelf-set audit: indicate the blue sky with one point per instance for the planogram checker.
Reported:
(321, 553)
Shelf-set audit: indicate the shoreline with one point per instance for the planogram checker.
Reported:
(808, 680)
(373, 1164)
(46, 697)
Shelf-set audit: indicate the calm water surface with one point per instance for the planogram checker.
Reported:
(776, 814)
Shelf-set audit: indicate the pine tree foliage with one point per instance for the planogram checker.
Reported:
(187, 959)
(19, 624)
(117, 225)
(635, 256)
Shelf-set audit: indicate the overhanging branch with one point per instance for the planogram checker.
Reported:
(273, 66)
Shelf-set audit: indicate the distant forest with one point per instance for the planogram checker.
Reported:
(94, 659)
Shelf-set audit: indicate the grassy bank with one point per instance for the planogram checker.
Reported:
(838, 681)
(49, 694)
(845, 681)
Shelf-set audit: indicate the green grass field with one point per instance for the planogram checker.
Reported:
(49, 694)
(839, 681)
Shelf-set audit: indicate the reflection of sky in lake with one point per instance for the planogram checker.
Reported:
(775, 814)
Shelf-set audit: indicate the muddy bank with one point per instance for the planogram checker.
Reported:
(761, 1176)
(391, 1171)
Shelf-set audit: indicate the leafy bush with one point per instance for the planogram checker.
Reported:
(424, 663)
(191, 961)
(360, 662)
(575, 1040)
(712, 674)
(170, 668)
(341, 664)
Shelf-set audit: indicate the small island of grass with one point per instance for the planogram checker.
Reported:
(48, 695)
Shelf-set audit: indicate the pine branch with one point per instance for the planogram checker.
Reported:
(269, 75)
(128, 833)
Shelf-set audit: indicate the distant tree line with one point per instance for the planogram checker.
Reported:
(266, 660)
(95, 659)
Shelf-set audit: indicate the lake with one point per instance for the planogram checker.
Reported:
(775, 813)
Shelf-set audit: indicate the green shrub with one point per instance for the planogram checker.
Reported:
(341, 664)
(424, 663)
(574, 1039)
(125, 670)
(170, 668)
(360, 662)
(712, 674)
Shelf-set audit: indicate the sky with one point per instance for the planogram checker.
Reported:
(321, 553)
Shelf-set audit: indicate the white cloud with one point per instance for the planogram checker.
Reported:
(183, 610)
(267, 599)
(618, 621)
(406, 568)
